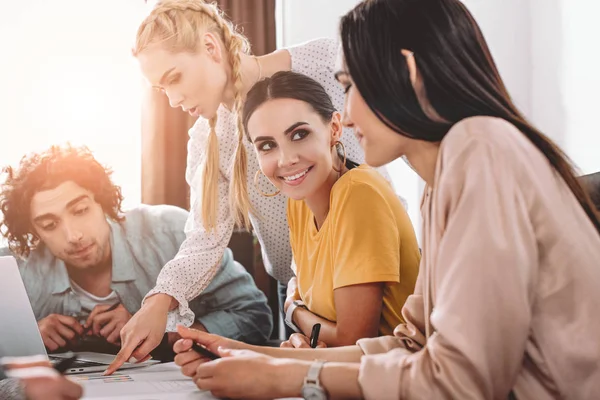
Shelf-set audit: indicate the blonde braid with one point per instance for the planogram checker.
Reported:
(210, 178)
(176, 23)
(239, 199)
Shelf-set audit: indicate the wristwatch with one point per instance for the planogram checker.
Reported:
(312, 389)
(290, 313)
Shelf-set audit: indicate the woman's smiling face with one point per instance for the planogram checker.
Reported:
(294, 145)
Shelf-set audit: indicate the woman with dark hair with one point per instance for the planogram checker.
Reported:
(507, 296)
(354, 269)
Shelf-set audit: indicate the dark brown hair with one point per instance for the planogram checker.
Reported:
(290, 85)
(44, 171)
(459, 76)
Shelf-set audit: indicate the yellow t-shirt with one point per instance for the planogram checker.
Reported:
(367, 237)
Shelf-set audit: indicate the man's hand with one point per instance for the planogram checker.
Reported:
(59, 330)
(108, 324)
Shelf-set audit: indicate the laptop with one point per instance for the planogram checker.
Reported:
(19, 333)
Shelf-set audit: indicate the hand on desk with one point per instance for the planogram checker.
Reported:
(240, 373)
(59, 330)
(107, 323)
(190, 360)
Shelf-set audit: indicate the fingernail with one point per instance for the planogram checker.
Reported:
(133, 360)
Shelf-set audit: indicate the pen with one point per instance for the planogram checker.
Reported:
(109, 309)
(203, 351)
(64, 364)
(314, 335)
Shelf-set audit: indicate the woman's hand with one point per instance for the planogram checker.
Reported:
(298, 340)
(188, 359)
(143, 332)
(51, 388)
(250, 375)
(39, 380)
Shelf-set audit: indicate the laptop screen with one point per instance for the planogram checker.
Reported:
(19, 333)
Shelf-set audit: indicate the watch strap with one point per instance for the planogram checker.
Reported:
(312, 377)
(290, 313)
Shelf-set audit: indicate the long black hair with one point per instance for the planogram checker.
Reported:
(459, 76)
(290, 85)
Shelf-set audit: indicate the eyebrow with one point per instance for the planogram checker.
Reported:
(286, 132)
(77, 200)
(164, 76)
(294, 126)
(69, 204)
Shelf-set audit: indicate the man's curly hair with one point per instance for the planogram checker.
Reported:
(44, 171)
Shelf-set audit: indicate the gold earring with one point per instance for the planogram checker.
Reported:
(344, 150)
(256, 177)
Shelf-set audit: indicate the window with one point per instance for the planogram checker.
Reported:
(68, 75)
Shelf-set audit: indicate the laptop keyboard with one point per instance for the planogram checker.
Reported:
(77, 363)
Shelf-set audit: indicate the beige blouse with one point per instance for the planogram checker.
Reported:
(508, 295)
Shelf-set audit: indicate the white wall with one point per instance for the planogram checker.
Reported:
(68, 75)
(300, 20)
(581, 81)
(547, 54)
(505, 26)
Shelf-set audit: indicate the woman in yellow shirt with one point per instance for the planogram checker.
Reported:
(354, 248)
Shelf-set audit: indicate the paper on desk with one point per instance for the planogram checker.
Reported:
(146, 390)
(161, 381)
(167, 371)
(156, 382)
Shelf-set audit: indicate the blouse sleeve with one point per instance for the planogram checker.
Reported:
(198, 258)
(482, 275)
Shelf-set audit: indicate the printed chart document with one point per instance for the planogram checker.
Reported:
(158, 382)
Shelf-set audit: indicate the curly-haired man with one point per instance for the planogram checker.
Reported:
(80, 254)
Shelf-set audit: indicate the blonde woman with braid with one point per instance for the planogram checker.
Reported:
(187, 49)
